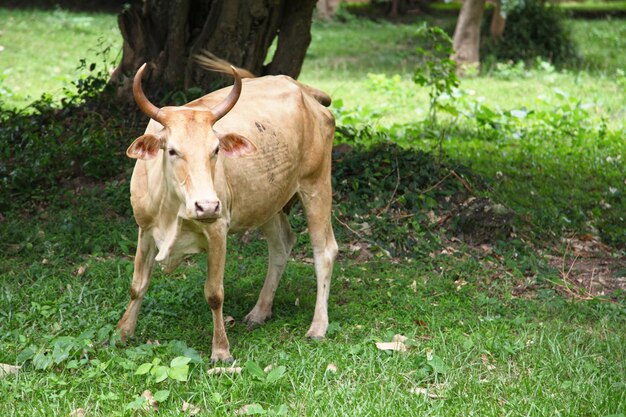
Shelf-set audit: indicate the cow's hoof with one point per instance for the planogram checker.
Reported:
(255, 319)
(316, 332)
(223, 360)
(316, 338)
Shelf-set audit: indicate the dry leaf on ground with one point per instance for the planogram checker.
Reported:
(81, 270)
(485, 360)
(152, 404)
(79, 412)
(221, 370)
(6, 369)
(395, 346)
(332, 368)
(399, 338)
(190, 409)
(425, 392)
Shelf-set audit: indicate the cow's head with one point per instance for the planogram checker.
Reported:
(189, 147)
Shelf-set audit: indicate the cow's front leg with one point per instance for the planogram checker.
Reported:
(144, 264)
(214, 291)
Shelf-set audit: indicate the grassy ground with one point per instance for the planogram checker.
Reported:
(474, 348)
(41, 50)
(489, 331)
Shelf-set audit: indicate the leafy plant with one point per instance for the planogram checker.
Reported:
(437, 70)
(178, 370)
(265, 378)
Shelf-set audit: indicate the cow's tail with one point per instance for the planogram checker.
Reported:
(212, 63)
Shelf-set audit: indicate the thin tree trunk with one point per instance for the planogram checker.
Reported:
(327, 9)
(498, 22)
(466, 40)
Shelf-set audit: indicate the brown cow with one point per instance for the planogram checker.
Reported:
(229, 162)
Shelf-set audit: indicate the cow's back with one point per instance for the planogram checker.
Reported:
(293, 134)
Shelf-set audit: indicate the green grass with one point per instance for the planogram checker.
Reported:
(488, 334)
(480, 350)
(339, 61)
(43, 49)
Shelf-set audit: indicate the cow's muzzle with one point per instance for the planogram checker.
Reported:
(207, 210)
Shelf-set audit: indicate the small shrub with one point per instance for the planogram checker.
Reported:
(438, 70)
(534, 29)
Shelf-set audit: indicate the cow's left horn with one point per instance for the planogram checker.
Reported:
(142, 101)
(229, 102)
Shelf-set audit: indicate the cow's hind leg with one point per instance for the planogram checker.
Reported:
(144, 264)
(280, 241)
(317, 201)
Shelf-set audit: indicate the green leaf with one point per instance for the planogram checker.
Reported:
(143, 369)
(180, 361)
(160, 373)
(278, 410)
(252, 409)
(255, 370)
(42, 361)
(60, 352)
(437, 364)
(26, 354)
(137, 403)
(178, 373)
(275, 374)
(161, 396)
(193, 354)
(216, 397)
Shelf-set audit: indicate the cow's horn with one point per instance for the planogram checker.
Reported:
(229, 102)
(142, 101)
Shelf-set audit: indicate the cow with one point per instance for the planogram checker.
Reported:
(232, 161)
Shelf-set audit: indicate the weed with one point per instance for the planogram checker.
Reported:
(438, 70)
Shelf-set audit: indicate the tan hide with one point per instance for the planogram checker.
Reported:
(274, 144)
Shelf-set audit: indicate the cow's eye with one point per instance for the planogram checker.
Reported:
(172, 152)
(216, 151)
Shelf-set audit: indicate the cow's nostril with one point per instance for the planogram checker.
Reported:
(207, 208)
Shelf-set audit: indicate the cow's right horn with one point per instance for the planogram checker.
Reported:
(229, 102)
(142, 101)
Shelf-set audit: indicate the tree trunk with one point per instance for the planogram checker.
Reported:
(327, 9)
(498, 22)
(168, 33)
(393, 11)
(466, 40)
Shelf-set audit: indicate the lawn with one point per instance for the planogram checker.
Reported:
(493, 329)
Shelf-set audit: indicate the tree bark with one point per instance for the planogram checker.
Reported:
(169, 33)
(327, 9)
(498, 22)
(466, 41)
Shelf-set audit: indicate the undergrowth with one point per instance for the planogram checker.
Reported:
(51, 145)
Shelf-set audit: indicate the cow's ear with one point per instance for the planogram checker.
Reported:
(234, 145)
(145, 147)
